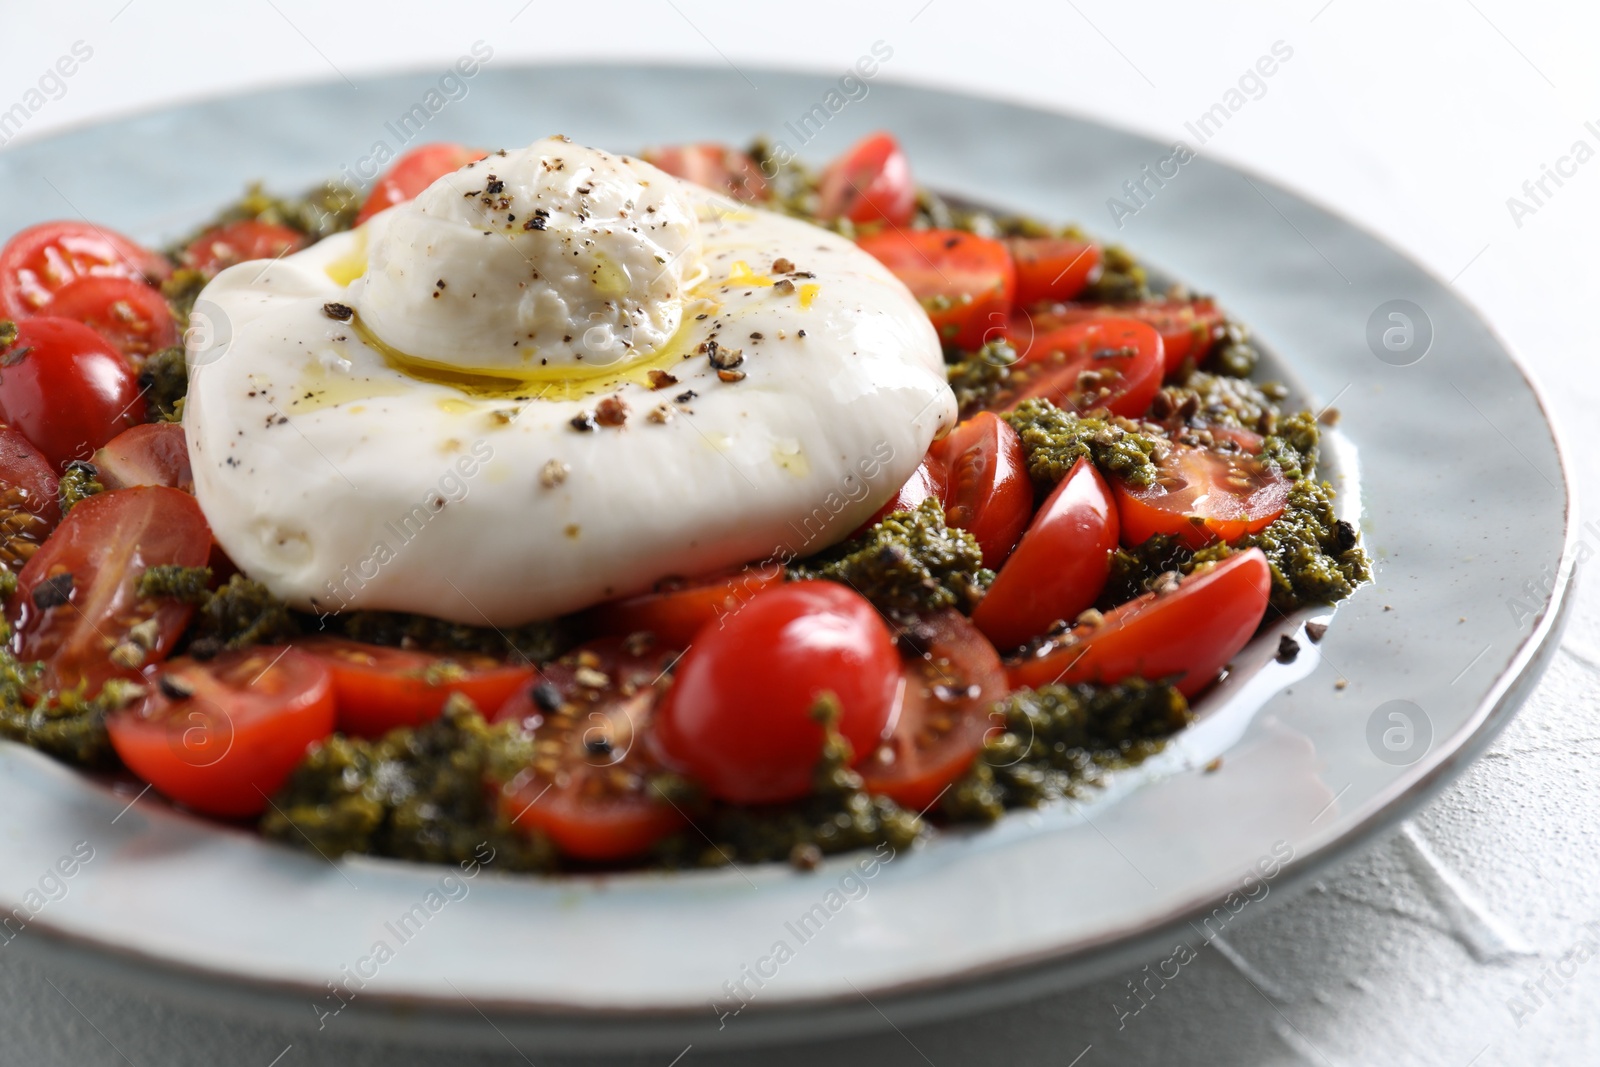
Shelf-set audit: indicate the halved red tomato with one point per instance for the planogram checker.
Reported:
(986, 487)
(67, 389)
(589, 787)
(928, 480)
(1052, 268)
(77, 606)
(413, 172)
(133, 316)
(714, 166)
(953, 679)
(1201, 497)
(679, 608)
(965, 282)
(222, 736)
(41, 260)
(869, 183)
(377, 688)
(239, 242)
(29, 499)
(1188, 328)
(1188, 634)
(152, 453)
(1059, 566)
(1104, 363)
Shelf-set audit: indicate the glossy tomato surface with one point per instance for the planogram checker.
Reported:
(222, 736)
(965, 282)
(152, 453)
(1102, 363)
(132, 316)
(67, 389)
(40, 260)
(29, 499)
(739, 717)
(1188, 634)
(239, 242)
(413, 172)
(953, 679)
(1051, 269)
(589, 789)
(1201, 496)
(679, 608)
(1059, 566)
(987, 491)
(869, 183)
(77, 606)
(1188, 328)
(926, 482)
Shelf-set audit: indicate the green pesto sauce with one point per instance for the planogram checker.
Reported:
(164, 379)
(1053, 440)
(78, 482)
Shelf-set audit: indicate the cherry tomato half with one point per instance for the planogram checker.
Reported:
(965, 282)
(1188, 634)
(40, 261)
(239, 242)
(714, 166)
(413, 172)
(869, 183)
(29, 501)
(222, 736)
(1188, 328)
(1052, 268)
(678, 608)
(738, 718)
(152, 453)
(589, 787)
(953, 679)
(1202, 497)
(1102, 363)
(1059, 566)
(131, 315)
(77, 605)
(928, 480)
(67, 389)
(986, 487)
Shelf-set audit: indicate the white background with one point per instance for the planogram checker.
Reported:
(1419, 120)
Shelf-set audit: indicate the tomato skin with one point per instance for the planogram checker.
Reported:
(238, 242)
(132, 316)
(30, 504)
(869, 183)
(413, 172)
(1188, 328)
(966, 282)
(377, 688)
(152, 453)
(594, 801)
(1051, 364)
(1189, 634)
(67, 389)
(714, 166)
(1059, 566)
(1195, 499)
(1052, 268)
(987, 491)
(678, 610)
(952, 684)
(738, 717)
(232, 744)
(105, 544)
(927, 481)
(39, 261)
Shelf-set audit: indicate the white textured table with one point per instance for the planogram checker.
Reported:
(1472, 936)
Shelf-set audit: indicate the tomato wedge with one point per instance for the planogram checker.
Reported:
(986, 487)
(77, 606)
(239, 242)
(41, 260)
(589, 787)
(1052, 268)
(1188, 634)
(869, 183)
(29, 499)
(413, 172)
(1201, 497)
(714, 166)
(1188, 328)
(965, 282)
(133, 316)
(67, 389)
(1059, 566)
(928, 480)
(222, 736)
(377, 688)
(153, 453)
(1104, 363)
(679, 608)
(953, 679)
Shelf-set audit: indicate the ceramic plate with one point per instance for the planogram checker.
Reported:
(1444, 457)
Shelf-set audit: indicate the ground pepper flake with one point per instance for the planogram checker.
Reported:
(338, 312)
